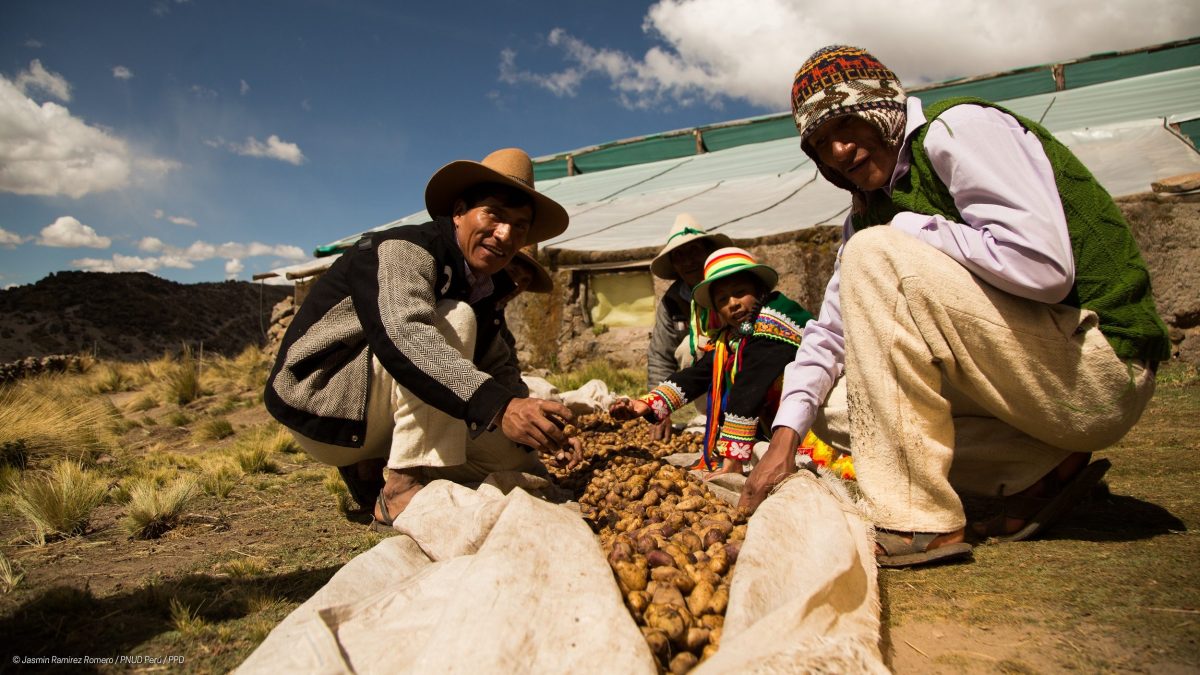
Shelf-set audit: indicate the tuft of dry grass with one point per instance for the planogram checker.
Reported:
(58, 502)
(219, 476)
(154, 511)
(178, 419)
(244, 568)
(336, 487)
(245, 372)
(186, 620)
(256, 459)
(10, 576)
(38, 425)
(110, 378)
(621, 381)
(181, 380)
(142, 404)
(256, 450)
(9, 477)
(214, 429)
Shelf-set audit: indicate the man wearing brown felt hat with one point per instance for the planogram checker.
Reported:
(400, 356)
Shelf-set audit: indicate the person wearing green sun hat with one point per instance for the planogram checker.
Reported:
(674, 340)
(755, 332)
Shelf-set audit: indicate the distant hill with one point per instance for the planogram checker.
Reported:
(132, 315)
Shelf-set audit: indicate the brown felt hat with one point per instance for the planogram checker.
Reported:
(541, 282)
(511, 167)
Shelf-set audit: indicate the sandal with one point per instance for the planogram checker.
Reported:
(383, 524)
(900, 553)
(1040, 513)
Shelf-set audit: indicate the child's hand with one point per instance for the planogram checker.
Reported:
(627, 409)
(730, 465)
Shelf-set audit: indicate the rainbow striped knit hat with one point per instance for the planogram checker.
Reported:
(728, 261)
(841, 80)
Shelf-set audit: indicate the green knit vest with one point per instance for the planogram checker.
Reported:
(1110, 276)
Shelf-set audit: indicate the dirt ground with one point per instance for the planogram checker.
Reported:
(1115, 588)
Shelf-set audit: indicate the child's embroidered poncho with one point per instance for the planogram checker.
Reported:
(742, 374)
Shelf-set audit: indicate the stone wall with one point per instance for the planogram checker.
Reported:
(1168, 230)
(554, 332)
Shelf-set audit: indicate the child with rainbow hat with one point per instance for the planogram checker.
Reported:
(754, 332)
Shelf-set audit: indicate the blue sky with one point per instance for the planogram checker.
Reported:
(208, 139)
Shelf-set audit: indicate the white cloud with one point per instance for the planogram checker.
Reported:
(150, 244)
(118, 263)
(177, 220)
(67, 232)
(245, 88)
(122, 73)
(202, 92)
(274, 148)
(306, 105)
(44, 150)
(714, 50)
(38, 78)
(176, 262)
(162, 255)
(199, 251)
(33, 44)
(9, 239)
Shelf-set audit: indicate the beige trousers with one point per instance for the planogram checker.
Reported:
(411, 433)
(952, 383)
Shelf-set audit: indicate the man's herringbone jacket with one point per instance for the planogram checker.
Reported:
(379, 300)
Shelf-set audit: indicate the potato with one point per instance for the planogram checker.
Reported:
(732, 549)
(660, 558)
(720, 600)
(682, 663)
(696, 638)
(631, 576)
(677, 578)
(659, 644)
(670, 619)
(689, 540)
(700, 599)
(665, 593)
(622, 550)
(637, 601)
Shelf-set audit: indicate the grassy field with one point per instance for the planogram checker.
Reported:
(154, 510)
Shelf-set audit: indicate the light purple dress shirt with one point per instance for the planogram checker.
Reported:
(1014, 236)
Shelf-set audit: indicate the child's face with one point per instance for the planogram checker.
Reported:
(735, 298)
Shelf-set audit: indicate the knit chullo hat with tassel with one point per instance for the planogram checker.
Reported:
(841, 80)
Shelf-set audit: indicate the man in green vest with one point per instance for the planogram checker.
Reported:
(990, 311)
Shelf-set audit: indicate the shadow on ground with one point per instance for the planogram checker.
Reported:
(1103, 516)
(66, 621)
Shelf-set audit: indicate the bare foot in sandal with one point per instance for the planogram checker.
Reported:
(1036, 508)
(398, 490)
(907, 549)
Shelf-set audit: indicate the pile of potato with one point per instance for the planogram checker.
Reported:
(671, 542)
